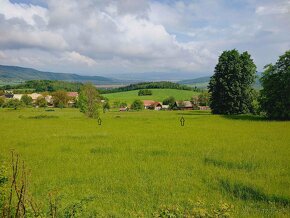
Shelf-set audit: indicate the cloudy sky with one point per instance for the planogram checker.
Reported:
(102, 37)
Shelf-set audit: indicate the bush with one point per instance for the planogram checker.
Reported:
(60, 99)
(41, 102)
(169, 101)
(137, 105)
(12, 103)
(143, 92)
(27, 100)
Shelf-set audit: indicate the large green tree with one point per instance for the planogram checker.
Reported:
(89, 101)
(275, 95)
(60, 98)
(231, 85)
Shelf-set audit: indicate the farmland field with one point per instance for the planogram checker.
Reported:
(137, 162)
(157, 95)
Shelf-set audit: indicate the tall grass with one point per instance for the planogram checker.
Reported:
(137, 162)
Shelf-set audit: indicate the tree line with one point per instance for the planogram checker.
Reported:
(148, 85)
(43, 86)
(231, 89)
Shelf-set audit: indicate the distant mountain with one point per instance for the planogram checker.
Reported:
(14, 74)
(204, 79)
(155, 76)
(202, 82)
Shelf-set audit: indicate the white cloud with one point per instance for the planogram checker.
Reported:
(94, 37)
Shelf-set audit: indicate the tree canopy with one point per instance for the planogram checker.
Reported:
(137, 105)
(231, 85)
(89, 101)
(275, 95)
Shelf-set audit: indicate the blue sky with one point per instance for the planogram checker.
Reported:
(95, 37)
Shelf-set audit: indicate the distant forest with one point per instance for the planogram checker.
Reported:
(44, 86)
(148, 85)
(52, 85)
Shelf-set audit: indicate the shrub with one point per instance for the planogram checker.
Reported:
(143, 92)
(41, 102)
(137, 105)
(12, 103)
(27, 100)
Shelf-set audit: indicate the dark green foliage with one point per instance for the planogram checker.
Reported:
(137, 105)
(27, 100)
(275, 95)
(45, 85)
(169, 101)
(231, 84)
(89, 101)
(147, 85)
(143, 92)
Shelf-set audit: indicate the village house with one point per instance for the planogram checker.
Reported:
(183, 105)
(152, 105)
(34, 96)
(123, 109)
(165, 107)
(17, 96)
(49, 100)
(73, 96)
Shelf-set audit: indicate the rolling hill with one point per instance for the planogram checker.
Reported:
(202, 82)
(15, 74)
(157, 95)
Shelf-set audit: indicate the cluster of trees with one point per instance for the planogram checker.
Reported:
(231, 86)
(44, 86)
(137, 105)
(143, 92)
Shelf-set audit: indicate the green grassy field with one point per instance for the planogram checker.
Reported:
(135, 162)
(157, 95)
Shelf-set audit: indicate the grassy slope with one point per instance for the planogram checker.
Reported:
(157, 95)
(137, 161)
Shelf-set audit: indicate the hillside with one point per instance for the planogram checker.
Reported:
(157, 95)
(202, 82)
(14, 74)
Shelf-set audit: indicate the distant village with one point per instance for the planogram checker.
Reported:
(48, 100)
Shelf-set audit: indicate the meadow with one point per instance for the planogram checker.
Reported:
(138, 162)
(157, 95)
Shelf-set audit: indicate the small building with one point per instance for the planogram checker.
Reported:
(165, 107)
(49, 100)
(183, 105)
(73, 94)
(17, 96)
(148, 103)
(203, 108)
(152, 105)
(123, 109)
(34, 96)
